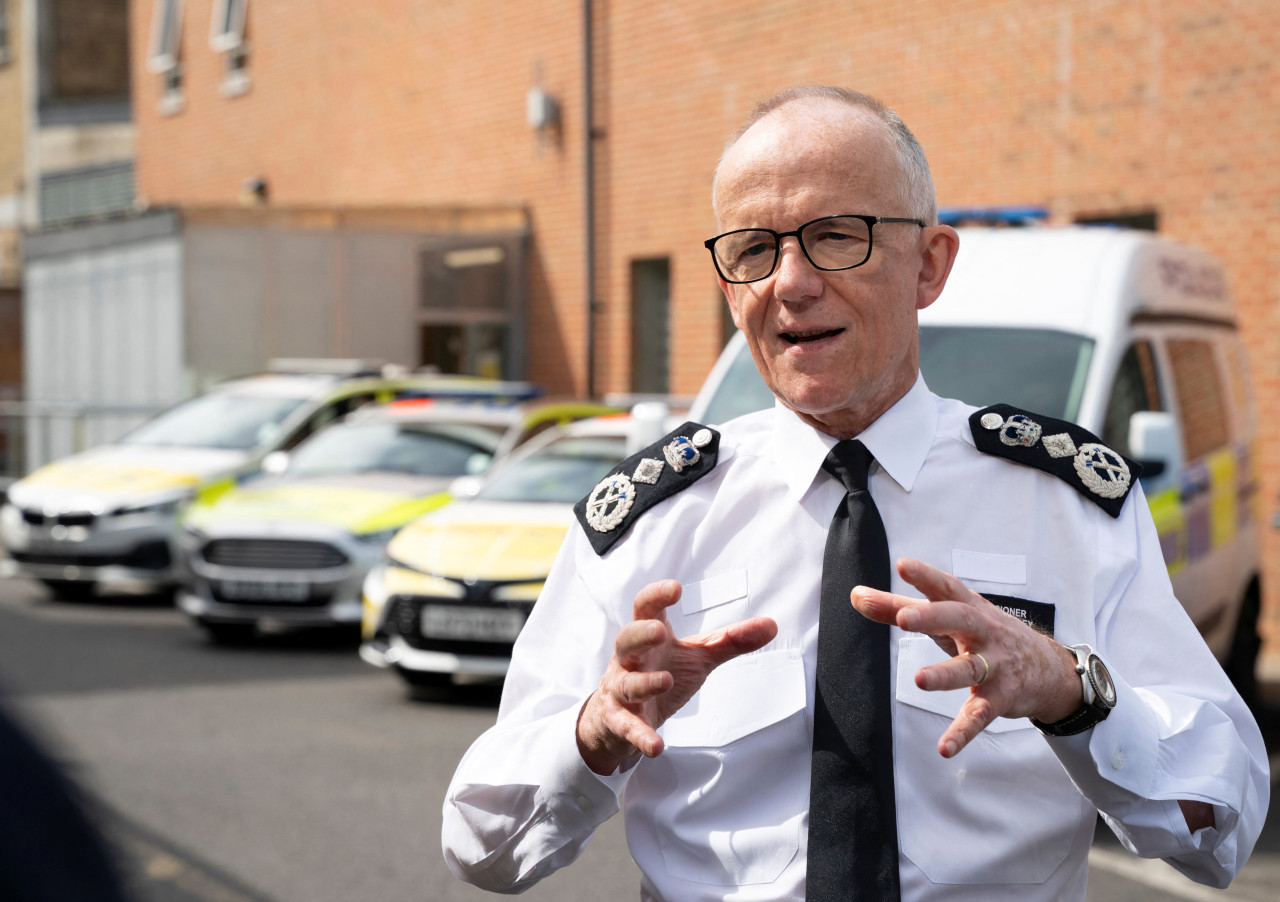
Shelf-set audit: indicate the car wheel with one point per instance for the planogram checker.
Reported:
(229, 633)
(1242, 659)
(71, 589)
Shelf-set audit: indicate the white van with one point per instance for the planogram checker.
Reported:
(1133, 337)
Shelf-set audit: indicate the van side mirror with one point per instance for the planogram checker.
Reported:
(1154, 442)
(648, 424)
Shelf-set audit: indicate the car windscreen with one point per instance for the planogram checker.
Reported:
(225, 421)
(562, 472)
(1036, 369)
(443, 450)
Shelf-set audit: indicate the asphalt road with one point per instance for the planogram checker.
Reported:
(290, 771)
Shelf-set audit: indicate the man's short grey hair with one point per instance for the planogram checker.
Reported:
(917, 182)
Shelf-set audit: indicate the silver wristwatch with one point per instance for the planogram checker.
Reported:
(1099, 696)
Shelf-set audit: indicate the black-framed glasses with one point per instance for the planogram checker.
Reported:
(829, 243)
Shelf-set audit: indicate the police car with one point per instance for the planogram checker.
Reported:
(456, 585)
(1130, 335)
(293, 547)
(108, 515)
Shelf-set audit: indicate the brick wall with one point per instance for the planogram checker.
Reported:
(1089, 109)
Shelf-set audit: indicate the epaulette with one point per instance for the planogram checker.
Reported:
(1064, 449)
(669, 465)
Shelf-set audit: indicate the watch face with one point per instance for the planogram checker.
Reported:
(1101, 681)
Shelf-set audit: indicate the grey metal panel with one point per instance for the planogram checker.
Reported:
(381, 297)
(102, 328)
(226, 285)
(301, 292)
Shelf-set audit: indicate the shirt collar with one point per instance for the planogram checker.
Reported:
(900, 440)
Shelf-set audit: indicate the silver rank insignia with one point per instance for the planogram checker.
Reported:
(681, 452)
(647, 471)
(610, 502)
(1020, 430)
(1102, 470)
(1059, 445)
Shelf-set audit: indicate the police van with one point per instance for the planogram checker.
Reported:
(1135, 338)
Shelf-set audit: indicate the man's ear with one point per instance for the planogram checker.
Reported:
(940, 245)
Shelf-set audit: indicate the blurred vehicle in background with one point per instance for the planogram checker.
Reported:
(293, 546)
(456, 585)
(108, 515)
(1130, 335)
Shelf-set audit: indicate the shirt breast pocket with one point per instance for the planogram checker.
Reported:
(748, 713)
(710, 603)
(1001, 811)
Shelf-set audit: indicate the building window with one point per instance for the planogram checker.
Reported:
(1144, 220)
(6, 33)
(86, 193)
(650, 325)
(165, 57)
(227, 36)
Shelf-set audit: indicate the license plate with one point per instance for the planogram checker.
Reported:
(46, 544)
(484, 624)
(265, 590)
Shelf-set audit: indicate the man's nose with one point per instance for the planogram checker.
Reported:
(796, 278)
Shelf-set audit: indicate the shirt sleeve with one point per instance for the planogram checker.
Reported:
(1179, 730)
(522, 802)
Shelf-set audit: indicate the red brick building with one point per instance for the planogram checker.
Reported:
(1160, 110)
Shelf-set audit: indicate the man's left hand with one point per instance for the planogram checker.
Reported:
(1026, 673)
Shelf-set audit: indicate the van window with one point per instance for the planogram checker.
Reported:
(1036, 369)
(741, 392)
(1136, 388)
(1200, 396)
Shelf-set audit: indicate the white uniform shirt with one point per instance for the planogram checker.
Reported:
(722, 812)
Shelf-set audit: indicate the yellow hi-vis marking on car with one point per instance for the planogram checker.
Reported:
(89, 476)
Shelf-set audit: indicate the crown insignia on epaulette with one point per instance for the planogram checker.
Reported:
(1055, 446)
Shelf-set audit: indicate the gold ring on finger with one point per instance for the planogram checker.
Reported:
(986, 668)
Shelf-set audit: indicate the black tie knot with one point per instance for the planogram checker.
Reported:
(849, 461)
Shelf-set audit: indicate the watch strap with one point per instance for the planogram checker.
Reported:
(1090, 713)
(1084, 718)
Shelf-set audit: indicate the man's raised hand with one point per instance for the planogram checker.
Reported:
(652, 674)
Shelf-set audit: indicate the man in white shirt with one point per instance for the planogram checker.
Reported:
(670, 660)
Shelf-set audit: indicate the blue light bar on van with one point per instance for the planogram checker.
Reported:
(992, 216)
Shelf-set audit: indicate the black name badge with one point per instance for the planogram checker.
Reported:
(1035, 614)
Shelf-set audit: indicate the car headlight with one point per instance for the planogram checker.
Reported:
(164, 508)
(10, 516)
(374, 598)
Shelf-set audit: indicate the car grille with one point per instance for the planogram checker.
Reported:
(273, 554)
(147, 556)
(66, 518)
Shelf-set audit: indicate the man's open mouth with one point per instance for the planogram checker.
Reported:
(798, 338)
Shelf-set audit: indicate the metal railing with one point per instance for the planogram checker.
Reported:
(34, 433)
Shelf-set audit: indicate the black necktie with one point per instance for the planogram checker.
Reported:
(853, 832)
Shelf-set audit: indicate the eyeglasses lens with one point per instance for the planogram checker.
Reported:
(840, 242)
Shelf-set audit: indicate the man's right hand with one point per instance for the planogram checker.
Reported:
(652, 674)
